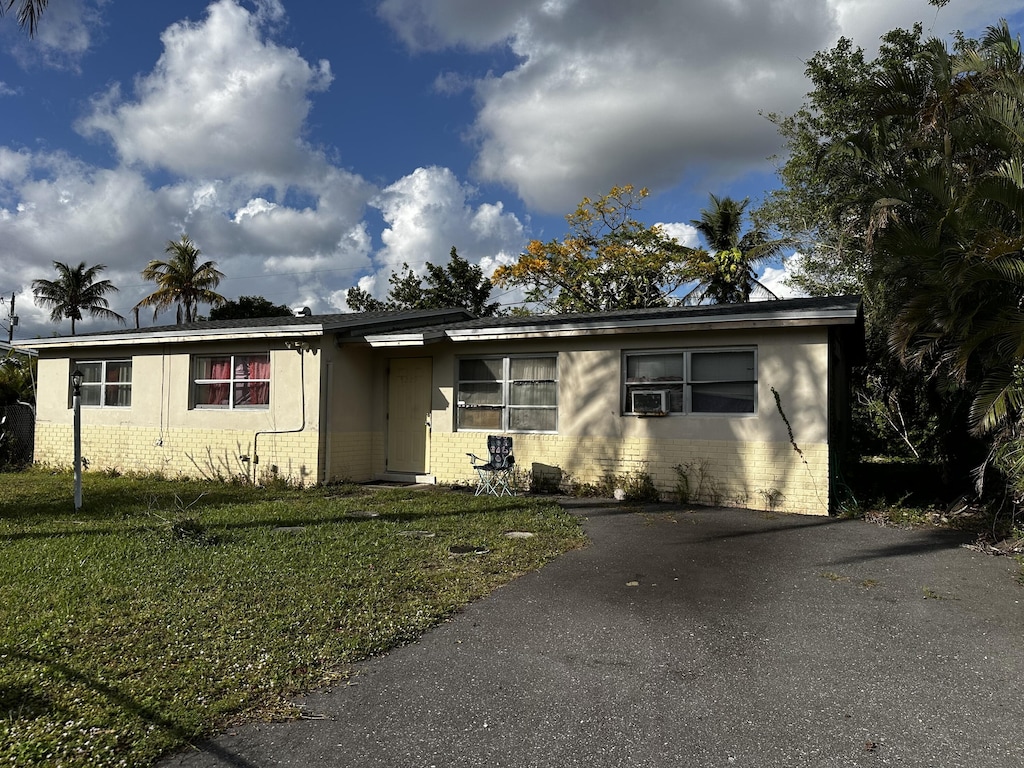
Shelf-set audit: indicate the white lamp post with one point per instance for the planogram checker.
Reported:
(76, 404)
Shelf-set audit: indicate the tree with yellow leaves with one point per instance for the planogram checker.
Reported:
(607, 261)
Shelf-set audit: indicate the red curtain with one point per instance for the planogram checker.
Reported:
(218, 369)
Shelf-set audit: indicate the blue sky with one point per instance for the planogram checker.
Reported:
(308, 146)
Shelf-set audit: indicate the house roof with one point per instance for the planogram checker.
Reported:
(301, 326)
(833, 310)
(420, 327)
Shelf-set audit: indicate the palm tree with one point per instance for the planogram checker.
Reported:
(28, 14)
(183, 281)
(726, 271)
(76, 290)
(949, 243)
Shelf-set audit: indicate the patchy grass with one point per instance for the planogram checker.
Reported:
(164, 610)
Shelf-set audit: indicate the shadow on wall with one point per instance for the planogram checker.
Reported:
(237, 465)
(776, 476)
(223, 467)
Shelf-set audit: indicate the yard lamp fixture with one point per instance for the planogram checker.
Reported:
(76, 402)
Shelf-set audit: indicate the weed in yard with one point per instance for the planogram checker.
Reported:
(118, 644)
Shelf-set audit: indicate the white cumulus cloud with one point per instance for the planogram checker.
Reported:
(651, 94)
(429, 211)
(221, 101)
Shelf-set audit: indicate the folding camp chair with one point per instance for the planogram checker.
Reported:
(495, 475)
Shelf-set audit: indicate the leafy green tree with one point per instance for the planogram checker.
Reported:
(934, 200)
(607, 261)
(28, 12)
(17, 374)
(821, 205)
(726, 274)
(952, 219)
(826, 207)
(76, 290)
(249, 307)
(458, 284)
(182, 280)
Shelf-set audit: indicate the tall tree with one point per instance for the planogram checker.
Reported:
(933, 197)
(457, 284)
(820, 204)
(28, 13)
(825, 206)
(249, 307)
(950, 217)
(607, 261)
(76, 290)
(182, 280)
(726, 274)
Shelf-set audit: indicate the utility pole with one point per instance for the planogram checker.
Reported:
(12, 320)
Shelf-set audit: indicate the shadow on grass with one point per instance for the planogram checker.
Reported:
(128, 704)
(283, 521)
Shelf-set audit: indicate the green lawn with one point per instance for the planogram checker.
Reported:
(165, 609)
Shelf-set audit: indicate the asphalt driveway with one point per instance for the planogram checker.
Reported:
(710, 638)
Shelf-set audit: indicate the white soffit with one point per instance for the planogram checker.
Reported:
(659, 325)
(174, 337)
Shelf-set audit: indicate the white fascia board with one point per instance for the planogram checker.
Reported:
(404, 339)
(177, 337)
(655, 325)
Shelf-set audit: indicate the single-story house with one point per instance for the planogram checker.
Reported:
(746, 404)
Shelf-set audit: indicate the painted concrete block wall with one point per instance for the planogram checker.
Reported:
(351, 456)
(197, 453)
(753, 475)
(161, 432)
(745, 460)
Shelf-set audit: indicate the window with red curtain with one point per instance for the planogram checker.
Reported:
(231, 381)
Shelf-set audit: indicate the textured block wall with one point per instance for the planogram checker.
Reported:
(753, 475)
(209, 453)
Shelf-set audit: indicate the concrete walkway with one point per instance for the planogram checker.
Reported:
(709, 638)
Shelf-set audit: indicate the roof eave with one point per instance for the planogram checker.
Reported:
(175, 337)
(403, 339)
(659, 325)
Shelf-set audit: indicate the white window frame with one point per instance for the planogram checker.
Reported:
(230, 382)
(506, 382)
(103, 384)
(687, 382)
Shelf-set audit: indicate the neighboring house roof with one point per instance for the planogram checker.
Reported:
(5, 347)
(301, 326)
(833, 310)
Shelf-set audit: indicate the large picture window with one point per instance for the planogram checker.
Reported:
(715, 381)
(508, 394)
(105, 383)
(231, 381)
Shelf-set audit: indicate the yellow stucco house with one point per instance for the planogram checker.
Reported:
(749, 401)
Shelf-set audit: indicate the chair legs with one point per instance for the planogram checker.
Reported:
(495, 477)
(496, 482)
(500, 482)
(486, 482)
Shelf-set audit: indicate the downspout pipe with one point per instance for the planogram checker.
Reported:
(301, 347)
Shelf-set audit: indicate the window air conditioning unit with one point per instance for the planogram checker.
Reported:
(649, 401)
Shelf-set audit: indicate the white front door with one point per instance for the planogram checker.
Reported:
(409, 399)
